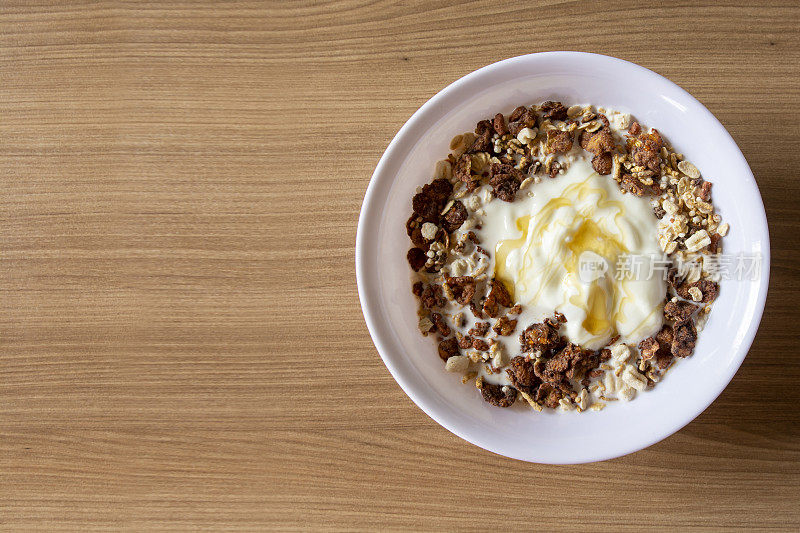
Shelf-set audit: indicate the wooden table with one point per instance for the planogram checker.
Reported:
(181, 343)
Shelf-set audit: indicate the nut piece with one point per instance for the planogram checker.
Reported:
(457, 363)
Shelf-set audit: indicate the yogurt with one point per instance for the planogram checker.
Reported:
(580, 247)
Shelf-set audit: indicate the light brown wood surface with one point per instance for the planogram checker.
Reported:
(181, 343)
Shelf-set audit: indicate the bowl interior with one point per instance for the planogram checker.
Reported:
(390, 309)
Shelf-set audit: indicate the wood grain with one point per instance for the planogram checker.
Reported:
(181, 344)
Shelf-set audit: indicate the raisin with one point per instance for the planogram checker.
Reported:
(448, 348)
(416, 289)
(705, 191)
(416, 259)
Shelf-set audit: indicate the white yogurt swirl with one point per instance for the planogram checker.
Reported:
(563, 250)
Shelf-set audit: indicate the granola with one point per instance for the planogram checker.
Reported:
(506, 159)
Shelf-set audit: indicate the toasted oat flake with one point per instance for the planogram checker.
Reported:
(574, 111)
(594, 126)
(703, 207)
(443, 169)
(689, 169)
(699, 239)
(447, 207)
(479, 161)
(616, 168)
(621, 353)
(627, 394)
(530, 401)
(633, 378)
(582, 400)
(610, 383)
(722, 230)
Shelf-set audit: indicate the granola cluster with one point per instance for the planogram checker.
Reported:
(474, 317)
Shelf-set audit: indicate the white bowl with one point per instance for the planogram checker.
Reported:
(390, 309)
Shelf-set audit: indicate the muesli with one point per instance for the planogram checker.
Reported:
(523, 252)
